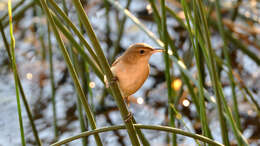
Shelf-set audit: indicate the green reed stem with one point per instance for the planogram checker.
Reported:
(83, 126)
(156, 14)
(175, 16)
(141, 136)
(217, 85)
(139, 126)
(248, 92)
(13, 9)
(40, 30)
(179, 117)
(83, 54)
(75, 30)
(164, 35)
(193, 95)
(104, 64)
(15, 73)
(238, 43)
(53, 90)
(230, 74)
(213, 72)
(120, 32)
(235, 10)
(167, 70)
(137, 22)
(72, 71)
(65, 8)
(107, 30)
(26, 104)
(202, 107)
(78, 69)
(20, 13)
(85, 75)
(242, 87)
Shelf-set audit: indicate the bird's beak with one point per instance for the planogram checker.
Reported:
(158, 50)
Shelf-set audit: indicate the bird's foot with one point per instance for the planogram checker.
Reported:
(113, 81)
(128, 117)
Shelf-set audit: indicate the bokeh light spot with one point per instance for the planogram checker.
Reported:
(249, 112)
(140, 100)
(149, 9)
(176, 84)
(29, 76)
(92, 84)
(170, 52)
(186, 102)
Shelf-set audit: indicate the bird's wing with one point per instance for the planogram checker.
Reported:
(116, 61)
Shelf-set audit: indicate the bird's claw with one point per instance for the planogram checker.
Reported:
(128, 117)
(113, 80)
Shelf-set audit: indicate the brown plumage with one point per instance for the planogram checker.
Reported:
(132, 68)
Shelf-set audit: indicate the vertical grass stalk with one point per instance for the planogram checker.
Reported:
(16, 6)
(75, 30)
(19, 13)
(217, 85)
(252, 98)
(179, 117)
(15, 73)
(230, 75)
(194, 41)
(167, 70)
(79, 49)
(53, 90)
(83, 126)
(120, 32)
(72, 71)
(80, 68)
(213, 71)
(26, 104)
(104, 64)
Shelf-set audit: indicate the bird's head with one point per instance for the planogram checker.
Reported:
(139, 52)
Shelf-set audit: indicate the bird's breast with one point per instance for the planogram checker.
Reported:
(131, 77)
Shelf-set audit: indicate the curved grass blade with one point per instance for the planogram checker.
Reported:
(140, 126)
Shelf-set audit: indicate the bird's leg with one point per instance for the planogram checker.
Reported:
(127, 100)
(128, 117)
(114, 80)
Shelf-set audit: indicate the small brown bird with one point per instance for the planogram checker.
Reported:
(132, 68)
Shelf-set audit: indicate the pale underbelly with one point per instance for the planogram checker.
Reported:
(131, 80)
(130, 87)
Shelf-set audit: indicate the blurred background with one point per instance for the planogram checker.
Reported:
(116, 32)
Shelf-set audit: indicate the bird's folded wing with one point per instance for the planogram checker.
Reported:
(116, 61)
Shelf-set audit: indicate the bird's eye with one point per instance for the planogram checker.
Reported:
(141, 51)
